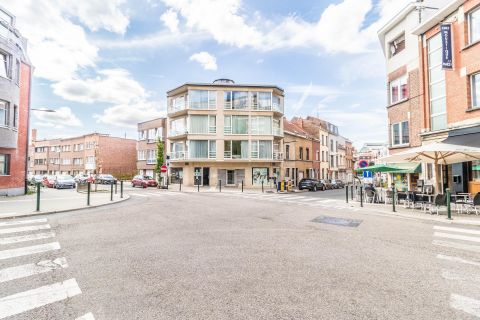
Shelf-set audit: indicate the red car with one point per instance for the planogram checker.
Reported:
(143, 181)
(48, 181)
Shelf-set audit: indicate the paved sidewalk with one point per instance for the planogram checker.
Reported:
(176, 187)
(52, 201)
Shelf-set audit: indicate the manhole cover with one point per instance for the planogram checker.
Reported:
(338, 221)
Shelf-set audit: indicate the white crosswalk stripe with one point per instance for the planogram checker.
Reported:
(87, 316)
(35, 298)
(25, 251)
(25, 229)
(456, 245)
(456, 236)
(20, 222)
(31, 269)
(28, 237)
(465, 304)
(460, 230)
(458, 259)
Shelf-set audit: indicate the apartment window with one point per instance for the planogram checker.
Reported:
(77, 161)
(277, 130)
(141, 155)
(398, 89)
(236, 125)
(178, 126)
(287, 152)
(178, 103)
(475, 84)
(307, 154)
(4, 64)
(300, 151)
(3, 113)
(5, 17)
(261, 100)
(262, 149)
(287, 172)
(436, 84)
(397, 45)
(276, 103)
(236, 100)
(17, 72)
(89, 145)
(152, 135)
(66, 161)
(317, 156)
(331, 145)
(15, 116)
(235, 149)
(198, 149)
(202, 99)
(4, 164)
(91, 159)
(202, 124)
(429, 171)
(40, 161)
(474, 25)
(261, 125)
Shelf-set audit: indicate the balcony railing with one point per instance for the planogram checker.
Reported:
(151, 161)
(277, 155)
(173, 109)
(227, 130)
(212, 155)
(212, 129)
(277, 132)
(227, 155)
(178, 155)
(175, 133)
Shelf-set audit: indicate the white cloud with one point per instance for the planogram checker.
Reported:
(160, 39)
(170, 19)
(62, 117)
(128, 115)
(112, 86)
(206, 60)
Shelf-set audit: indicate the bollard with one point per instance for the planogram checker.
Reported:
(346, 194)
(262, 186)
(38, 196)
(393, 197)
(242, 185)
(220, 184)
(361, 196)
(111, 192)
(351, 191)
(88, 193)
(115, 187)
(121, 189)
(180, 184)
(449, 207)
(198, 186)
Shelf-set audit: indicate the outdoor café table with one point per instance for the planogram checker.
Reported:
(428, 195)
(461, 199)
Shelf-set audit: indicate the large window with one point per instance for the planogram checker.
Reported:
(4, 164)
(474, 25)
(261, 125)
(262, 149)
(397, 45)
(276, 103)
(436, 82)
(3, 113)
(178, 103)
(177, 127)
(398, 89)
(4, 62)
(236, 100)
(400, 134)
(202, 124)
(259, 175)
(236, 125)
(261, 100)
(287, 152)
(202, 99)
(198, 149)
(15, 116)
(475, 84)
(235, 149)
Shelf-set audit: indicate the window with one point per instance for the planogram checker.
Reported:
(141, 155)
(202, 99)
(17, 72)
(307, 154)
(261, 125)
(5, 17)
(152, 135)
(259, 175)
(236, 125)
(398, 89)
(287, 172)
(331, 145)
(15, 116)
(475, 84)
(178, 126)
(77, 161)
(3, 113)
(66, 161)
(235, 149)
(429, 171)
(198, 149)
(178, 103)
(202, 124)
(142, 135)
(4, 61)
(277, 130)
(40, 161)
(474, 25)
(317, 156)
(400, 135)
(4, 164)
(276, 104)
(261, 100)
(262, 149)
(436, 84)
(300, 151)
(91, 159)
(397, 45)
(287, 152)
(236, 99)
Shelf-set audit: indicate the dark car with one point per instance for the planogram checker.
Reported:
(337, 184)
(64, 181)
(143, 181)
(311, 184)
(105, 179)
(327, 184)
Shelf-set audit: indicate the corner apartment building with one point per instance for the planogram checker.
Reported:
(225, 131)
(149, 132)
(93, 153)
(15, 83)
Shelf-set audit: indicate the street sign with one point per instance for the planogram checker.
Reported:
(163, 169)
(367, 174)
(363, 163)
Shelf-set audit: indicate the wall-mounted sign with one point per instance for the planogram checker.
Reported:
(447, 56)
(363, 163)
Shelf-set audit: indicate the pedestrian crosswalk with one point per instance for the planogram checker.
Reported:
(23, 243)
(460, 258)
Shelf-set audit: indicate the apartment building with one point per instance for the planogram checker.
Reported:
(225, 131)
(93, 153)
(299, 153)
(149, 132)
(15, 80)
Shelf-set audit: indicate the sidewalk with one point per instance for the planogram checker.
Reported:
(176, 187)
(53, 201)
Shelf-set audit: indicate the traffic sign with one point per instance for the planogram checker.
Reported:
(367, 174)
(163, 169)
(363, 163)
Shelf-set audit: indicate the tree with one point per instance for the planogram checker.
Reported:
(160, 157)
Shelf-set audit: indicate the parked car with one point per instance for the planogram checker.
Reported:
(105, 179)
(337, 184)
(36, 179)
(64, 181)
(81, 178)
(48, 181)
(327, 184)
(143, 181)
(311, 184)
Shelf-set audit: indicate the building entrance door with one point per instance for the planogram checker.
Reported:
(206, 176)
(230, 177)
(197, 176)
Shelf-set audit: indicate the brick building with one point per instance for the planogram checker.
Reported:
(149, 132)
(15, 82)
(93, 153)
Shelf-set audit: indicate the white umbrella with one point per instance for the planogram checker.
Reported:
(437, 153)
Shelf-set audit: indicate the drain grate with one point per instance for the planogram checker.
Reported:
(338, 221)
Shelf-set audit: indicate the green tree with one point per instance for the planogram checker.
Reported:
(160, 157)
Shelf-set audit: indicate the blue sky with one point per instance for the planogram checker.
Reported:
(106, 65)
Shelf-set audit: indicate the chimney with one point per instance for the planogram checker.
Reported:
(34, 135)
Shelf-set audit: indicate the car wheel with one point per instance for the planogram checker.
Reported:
(133, 185)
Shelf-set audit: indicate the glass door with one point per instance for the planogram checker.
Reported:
(230, 177)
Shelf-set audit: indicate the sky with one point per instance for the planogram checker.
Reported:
(106, 65)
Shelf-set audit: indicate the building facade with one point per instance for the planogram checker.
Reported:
(149, 132)
(15, 80)
(92, 154)
(298, 153)
(227, 132)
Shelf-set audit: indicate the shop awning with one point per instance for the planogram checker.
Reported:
(379, 168)
(468, 139)
(407, 167)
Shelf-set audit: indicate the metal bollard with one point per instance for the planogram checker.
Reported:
(121, 189)
(351, 191)
(181, 179)
(346, 194)
(361, 196)
(262, 186)
(198, 186)
(88, 193)
(38, 196)
(115, 187)
(111, 192)
(242, 185)
(449, 206)
(393, 198)
(220, 184)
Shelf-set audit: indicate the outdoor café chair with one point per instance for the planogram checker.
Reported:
(474, 205)
(370, 196)
(439, 201)
(389, 197)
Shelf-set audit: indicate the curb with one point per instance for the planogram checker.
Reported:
(32, 214)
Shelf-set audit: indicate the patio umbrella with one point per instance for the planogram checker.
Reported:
(379, 168)
(437, 153)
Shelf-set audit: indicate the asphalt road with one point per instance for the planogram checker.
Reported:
(170, 255)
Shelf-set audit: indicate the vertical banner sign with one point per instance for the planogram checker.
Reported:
(446, 31)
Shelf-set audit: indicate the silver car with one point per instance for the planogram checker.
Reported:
(64, 181)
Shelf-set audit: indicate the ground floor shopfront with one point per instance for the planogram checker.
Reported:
(230, 174)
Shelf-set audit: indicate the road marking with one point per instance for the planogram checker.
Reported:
(470, 231)
(23, 229)
(31, 299)
(24, 251)
(455, 236)
(138, 195)
(31, 269)
(87, 316)
(28, 237)
(456, 245)
(457, 259)
(451, 275)
(465, 304)
(14, 222)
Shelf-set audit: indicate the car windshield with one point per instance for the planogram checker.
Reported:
(147, 178)
(50, 177)
(65, 177)
(108, 176)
